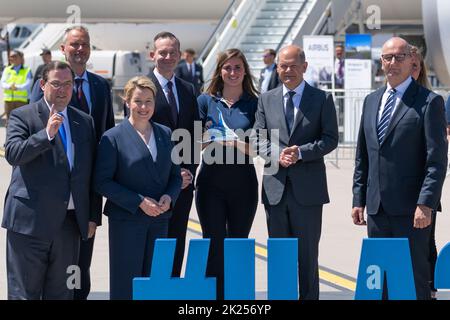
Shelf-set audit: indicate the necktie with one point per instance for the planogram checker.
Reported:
(341, 69)
(290, 111)
(82, 102)
(172, 103)
(385, 118)
(62, 135)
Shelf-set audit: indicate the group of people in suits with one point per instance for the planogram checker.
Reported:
(64, 160)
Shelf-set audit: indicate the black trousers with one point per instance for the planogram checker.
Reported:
(289, 219)
(383, 225)
(225, 213)
(178, 226)
(84, 262)
(38, 269)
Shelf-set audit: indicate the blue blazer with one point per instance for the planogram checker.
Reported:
(408, 167)
(125, 172)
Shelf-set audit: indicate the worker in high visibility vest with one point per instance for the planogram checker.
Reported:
(16, 83)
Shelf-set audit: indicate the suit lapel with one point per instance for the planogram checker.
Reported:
(372, 113)
(142, 148)
(93, 83)
(405, 103)
(277, 103)
(59, 155)
(305, 104)
(162, 105)
(162, 161)
(74, 127)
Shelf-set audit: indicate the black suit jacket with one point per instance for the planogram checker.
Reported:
(187, 115)
(41, 183)
(182, 72)
(409, 166)
(102, 110)
(315, 131)
(274, 80)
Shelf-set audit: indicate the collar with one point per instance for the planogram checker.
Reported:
(271, 67)
(401, 88)
(84, 76)
(298, 90)
(64, 112)
(244, 97)
(163, 81)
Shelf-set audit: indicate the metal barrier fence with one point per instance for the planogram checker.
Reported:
(349, 105)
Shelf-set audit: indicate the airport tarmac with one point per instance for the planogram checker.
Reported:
(340, 244)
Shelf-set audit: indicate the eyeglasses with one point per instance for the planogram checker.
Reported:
(398, 57)
(229, 69)
(58, 85)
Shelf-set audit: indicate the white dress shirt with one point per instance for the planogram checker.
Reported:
(163, 83)
(401, 88)
(152, 146)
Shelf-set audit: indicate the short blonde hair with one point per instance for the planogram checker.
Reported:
(140, 82)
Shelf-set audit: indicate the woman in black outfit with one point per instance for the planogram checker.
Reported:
(227, 191)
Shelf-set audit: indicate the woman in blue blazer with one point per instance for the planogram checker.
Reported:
(135, 173)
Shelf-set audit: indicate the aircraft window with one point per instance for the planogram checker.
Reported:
(25, 32)
(15, 33)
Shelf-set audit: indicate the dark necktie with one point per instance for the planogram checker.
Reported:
(385, 118)
(82, 102)
(290, 115)
(172, 103)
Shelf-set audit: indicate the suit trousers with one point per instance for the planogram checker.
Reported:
(225, 213)
(84, 262)
(383, 225)
(178, 226)
(37, 269)
(131, 245)
(289, 219)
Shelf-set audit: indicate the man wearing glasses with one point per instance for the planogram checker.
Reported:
(268, 78)
(401, 160)
(49, 204)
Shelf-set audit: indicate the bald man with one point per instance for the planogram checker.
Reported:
(401, 160)
(301, 120)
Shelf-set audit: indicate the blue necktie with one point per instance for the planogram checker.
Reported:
(385, 118)
(62, 135)
(290, 115)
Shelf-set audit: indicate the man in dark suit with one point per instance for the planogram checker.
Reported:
(268, 79)
(92, 95)
(176, 107)
(46, 58)
(190, 71)
(401, 160)
(295, 128)
(49, 202)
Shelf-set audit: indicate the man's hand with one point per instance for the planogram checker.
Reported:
(13, 87)
(54, 122)
(92, 229)
(422, 217)
(150, 207)
(165, 202)
(289, 156)
(187, 178)
(358, 216)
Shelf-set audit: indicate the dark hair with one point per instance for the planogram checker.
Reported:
(55, 65)
(216, 85)
(271, 52)
(165, 35)
(190, 51)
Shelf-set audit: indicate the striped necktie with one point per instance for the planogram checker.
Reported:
(385, 118)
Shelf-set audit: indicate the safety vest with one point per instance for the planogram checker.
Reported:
(18, 79)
